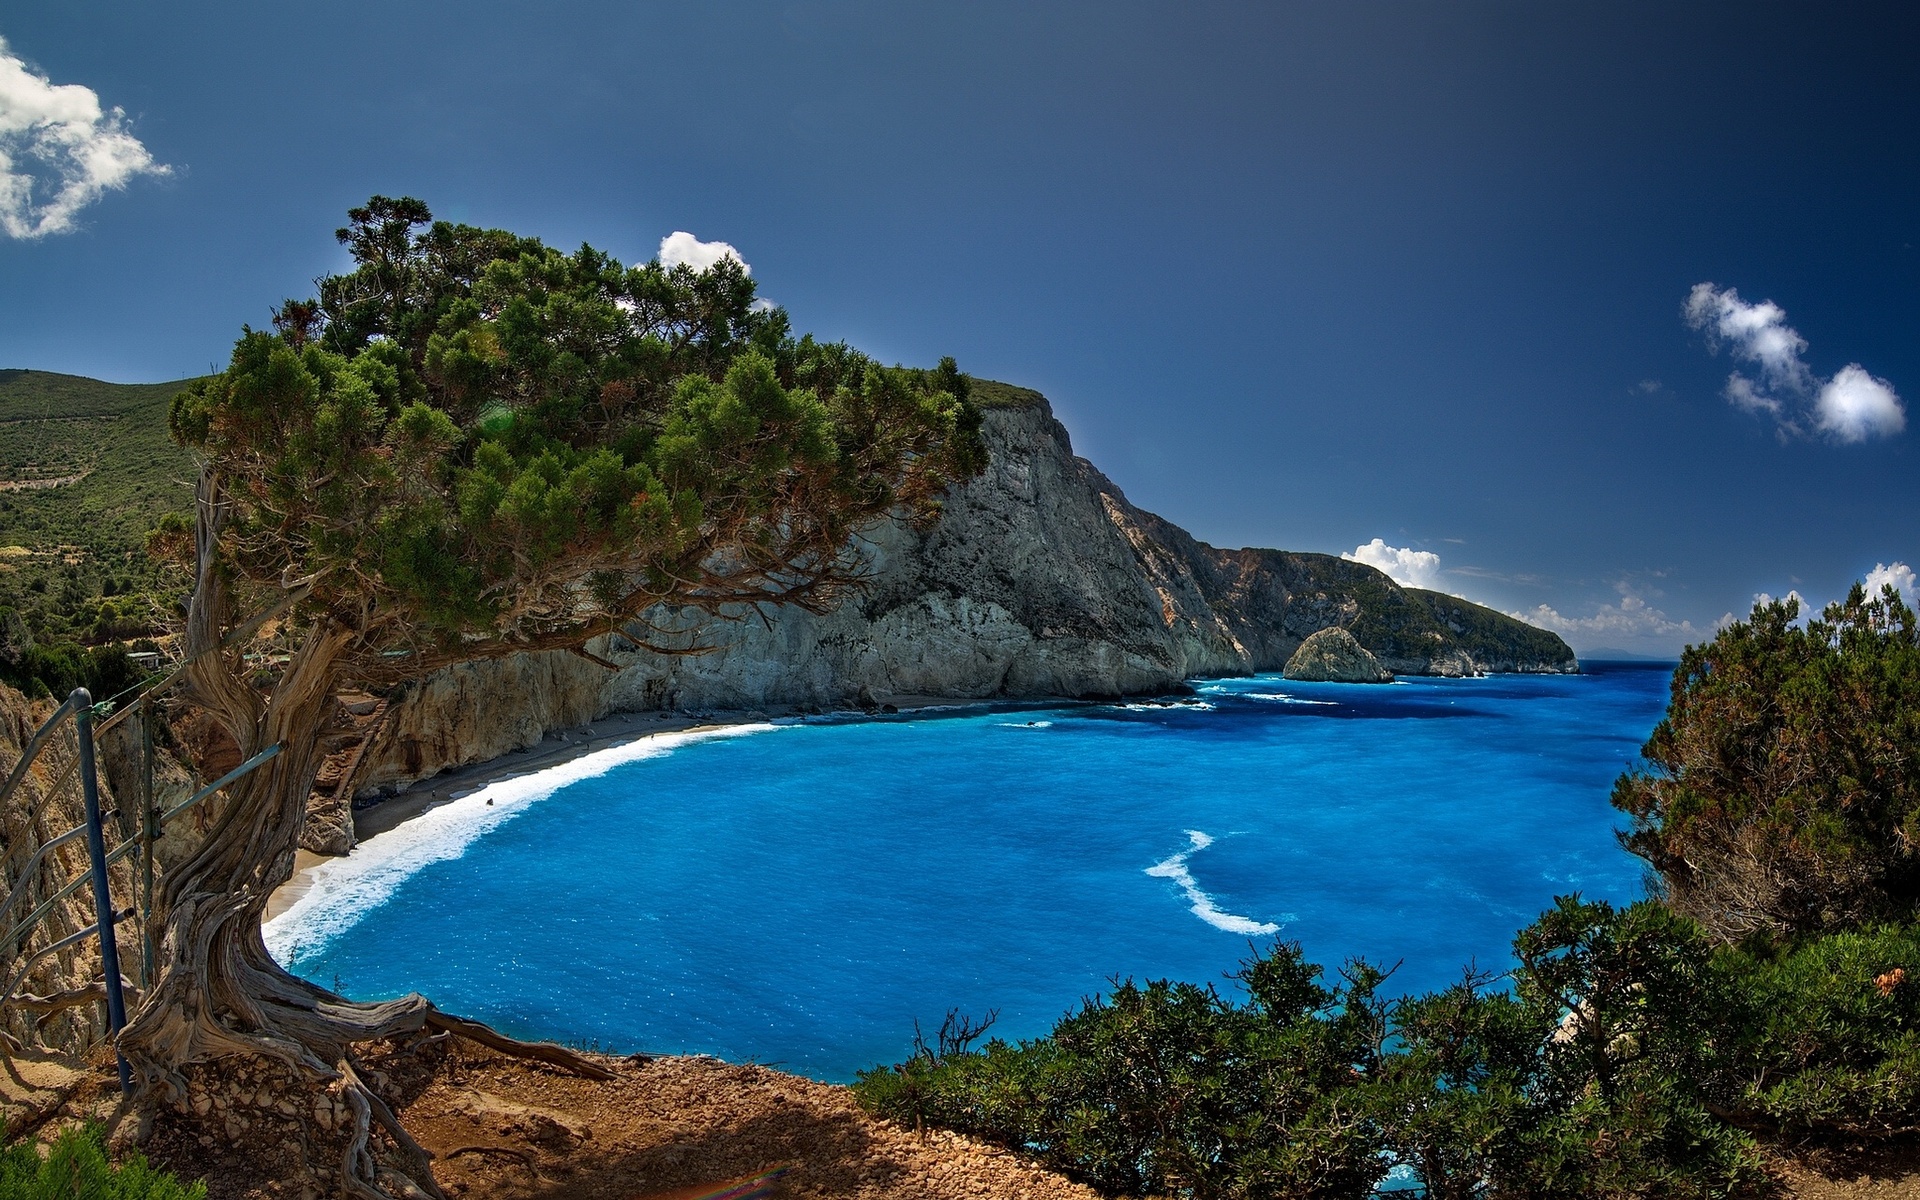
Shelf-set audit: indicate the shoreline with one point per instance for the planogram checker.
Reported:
(563, 746)
(617, 729)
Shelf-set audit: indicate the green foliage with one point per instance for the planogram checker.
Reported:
(72, 560)
(1829, 1039)
(1490, 636)
(474, 436)
(1171, 1087)
(54, 670)
(1622, 1085)
(1782, 794)
(76, 1168)
(1597, 1073)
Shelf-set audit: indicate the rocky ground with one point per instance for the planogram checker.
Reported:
(683, 1128)
(663, 1129)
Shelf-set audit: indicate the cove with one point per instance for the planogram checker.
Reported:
(799, 893)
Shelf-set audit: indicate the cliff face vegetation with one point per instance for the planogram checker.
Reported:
(1038, 579)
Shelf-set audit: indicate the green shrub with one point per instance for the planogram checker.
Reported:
(1170, 1087)
(44, 670)
(1595, 1074)
(76, 1168)
(1830, 1042)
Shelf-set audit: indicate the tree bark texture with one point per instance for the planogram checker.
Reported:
(218, 994)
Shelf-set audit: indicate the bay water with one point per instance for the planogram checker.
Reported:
(800, 893)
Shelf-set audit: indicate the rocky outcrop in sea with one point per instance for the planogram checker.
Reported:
(1334, 656)
(1039, 579)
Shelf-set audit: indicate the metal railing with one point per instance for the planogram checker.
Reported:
(80, 707)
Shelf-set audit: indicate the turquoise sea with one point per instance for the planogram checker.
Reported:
(799, 893)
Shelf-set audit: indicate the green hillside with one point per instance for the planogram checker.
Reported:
(86, 469)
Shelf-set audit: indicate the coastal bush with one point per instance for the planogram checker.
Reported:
(1593, 1074)
(1782, 791)
(1828, 1035)
(75, 1167)
(1171, 1087)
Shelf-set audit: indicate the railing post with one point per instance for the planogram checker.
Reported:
(149, 836)
(82, 701)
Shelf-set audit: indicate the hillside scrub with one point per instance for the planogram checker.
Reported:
(86, 469)
(473, 445)
(1626, 1055)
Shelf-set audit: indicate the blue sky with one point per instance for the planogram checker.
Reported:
(1294, 275)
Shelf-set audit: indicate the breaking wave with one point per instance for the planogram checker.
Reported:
(1175, 868)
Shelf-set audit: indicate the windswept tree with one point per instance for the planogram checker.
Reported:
(474, 445)
(1782, 793)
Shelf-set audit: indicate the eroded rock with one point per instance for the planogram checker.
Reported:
(1335, 656)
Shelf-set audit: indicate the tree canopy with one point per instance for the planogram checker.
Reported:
(470, 445)
(1782, 794)
(473, 439)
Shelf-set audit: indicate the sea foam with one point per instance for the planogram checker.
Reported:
(343, 890)
(1175, 868)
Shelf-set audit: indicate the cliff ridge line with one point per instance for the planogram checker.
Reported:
(1039, 579)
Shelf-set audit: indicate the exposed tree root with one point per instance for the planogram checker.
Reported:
(225, 1036)
(190, 1034)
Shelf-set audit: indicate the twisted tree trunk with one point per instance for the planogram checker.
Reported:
(218, 994)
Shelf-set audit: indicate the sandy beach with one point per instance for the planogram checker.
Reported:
(560, 746)
(557, 747)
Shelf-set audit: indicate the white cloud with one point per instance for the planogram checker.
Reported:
(682, 247)
(1758, 333)
(59, 151)
(1900, 575)
(1854, 406)
(1744, 396)
(1851, 407)
(1632, 619)
(1409, 568)
(1806, 608)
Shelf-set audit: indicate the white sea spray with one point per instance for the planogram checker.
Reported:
(344, 890)
(1175, 868)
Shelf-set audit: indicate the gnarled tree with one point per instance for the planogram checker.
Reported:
(474, 445)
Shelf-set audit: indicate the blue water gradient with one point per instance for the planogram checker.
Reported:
(800, 893)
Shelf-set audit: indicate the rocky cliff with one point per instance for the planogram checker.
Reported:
(1038, 579)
